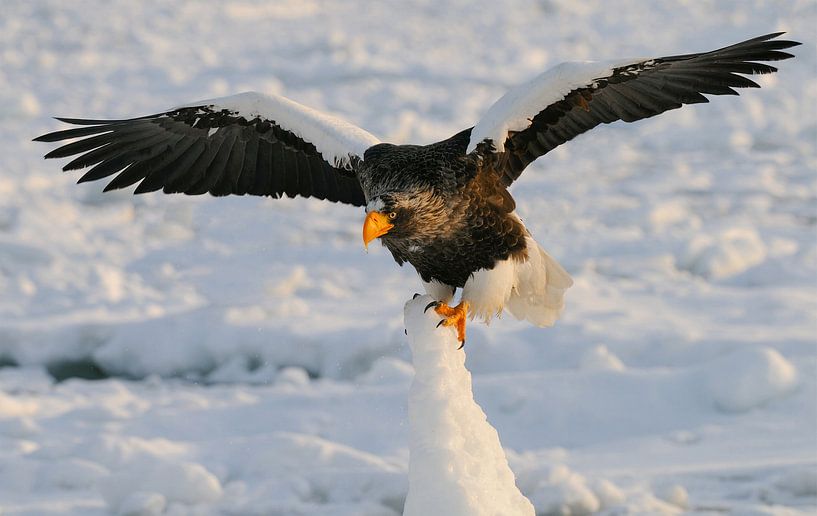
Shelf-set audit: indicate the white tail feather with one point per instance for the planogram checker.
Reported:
(538, 292)
(532, 290)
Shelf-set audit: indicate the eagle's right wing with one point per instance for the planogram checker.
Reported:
(243, 144)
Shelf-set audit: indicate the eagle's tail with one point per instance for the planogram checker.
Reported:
(539, 288)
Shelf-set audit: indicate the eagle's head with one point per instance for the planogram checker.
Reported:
(404, 215)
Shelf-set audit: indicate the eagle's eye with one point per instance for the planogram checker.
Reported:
(393, 215)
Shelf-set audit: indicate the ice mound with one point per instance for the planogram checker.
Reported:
(599, 358)
(457, 465)
(562, 491)
(145, 488)
(726, 255)
(556, 489)
(749, 378)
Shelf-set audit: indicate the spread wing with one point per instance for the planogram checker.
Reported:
(572, 98)
(243, 144)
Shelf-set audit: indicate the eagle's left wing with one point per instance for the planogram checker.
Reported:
(243, 144)
(572, 98)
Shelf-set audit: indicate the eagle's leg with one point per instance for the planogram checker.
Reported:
(453, 316)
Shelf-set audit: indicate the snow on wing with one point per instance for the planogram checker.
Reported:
(572, 98)
(244, 144)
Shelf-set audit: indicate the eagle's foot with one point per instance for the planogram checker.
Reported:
(452, 317)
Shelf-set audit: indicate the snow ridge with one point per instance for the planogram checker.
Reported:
(457, 466)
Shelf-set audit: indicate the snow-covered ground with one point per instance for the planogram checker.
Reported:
(253, 356)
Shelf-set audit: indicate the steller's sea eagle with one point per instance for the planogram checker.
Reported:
(444, 208)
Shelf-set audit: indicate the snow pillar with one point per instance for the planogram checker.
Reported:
(457, 466)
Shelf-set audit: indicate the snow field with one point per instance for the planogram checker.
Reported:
(252, 353)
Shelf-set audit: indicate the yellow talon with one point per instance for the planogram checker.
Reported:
(454, 317)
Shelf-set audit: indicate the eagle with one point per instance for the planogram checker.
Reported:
(444, 208)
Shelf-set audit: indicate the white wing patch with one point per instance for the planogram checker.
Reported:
(334, 138)
(514, 110)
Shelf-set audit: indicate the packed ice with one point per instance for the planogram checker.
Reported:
(192, 355)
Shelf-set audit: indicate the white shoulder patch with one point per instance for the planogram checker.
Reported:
(334, 138)
(514, 110)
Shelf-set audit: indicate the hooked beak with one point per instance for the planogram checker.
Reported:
(376, 225)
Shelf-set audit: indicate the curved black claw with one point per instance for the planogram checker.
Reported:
(433, 303)
(416, 295)
(462, 345)
(442, 321)
(405, 331)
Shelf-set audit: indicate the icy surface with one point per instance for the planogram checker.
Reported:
(456, 463)
(334, 138)
(258, 352)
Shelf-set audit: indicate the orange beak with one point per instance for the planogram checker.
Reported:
(376, 225)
